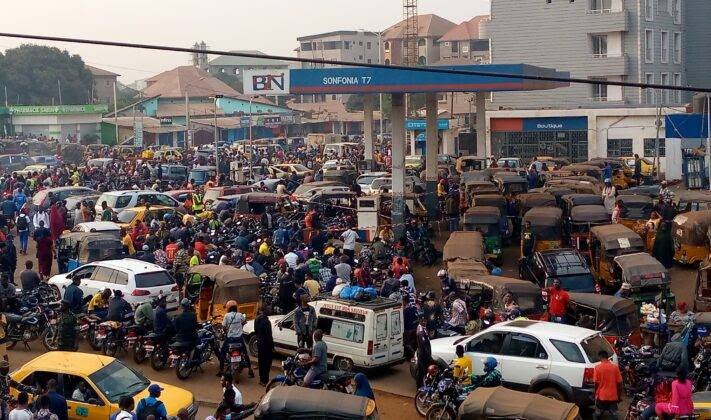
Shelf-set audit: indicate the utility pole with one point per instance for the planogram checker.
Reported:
(116, 115)
(658, 125)
(6, 96)
(187, 119)
(217, 150)
(708, 137)
(59, 84)
(251, 142)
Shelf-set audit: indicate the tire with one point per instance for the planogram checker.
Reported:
(91, 339)
(252, 347)
(343, 363)
(440, 412)
(110, 348)
(182, 370)
(57, 295)
(158, 361)
(236, 369)
(413, 367)
(139, 353)
(423, 402)
(49, 338)
(553, 393)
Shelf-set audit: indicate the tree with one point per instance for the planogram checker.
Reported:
(35, 73)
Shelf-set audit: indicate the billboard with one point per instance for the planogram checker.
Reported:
(265, 82)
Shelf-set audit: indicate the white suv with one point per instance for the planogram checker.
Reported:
(138, 280)
(551, 359)
(119, 200)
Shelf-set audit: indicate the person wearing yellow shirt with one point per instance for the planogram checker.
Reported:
(329, 249)
(264, 249)
(195, 259)
(312, 286)
(462, 369)
(99, 304)
(127, 242)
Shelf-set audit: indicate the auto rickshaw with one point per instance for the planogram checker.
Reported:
(614, 317)
(702, 297)
(504, 403)
(581, 220)
(573, 200)
(482, 175)
(531, 200)
(79, 248)
(464, 246)
(689, 232)
(693, 200)
(219, 284)
(488, 221)
(579, 184)
(649, 279)
(470, 163)
(608, 242)
(509, 183)
(546, 227)
(584, 169)
(498, 201)
(636, 210)
(489, 291)
(473, 188)
(254, 204)
(296, 402)
(621, 176)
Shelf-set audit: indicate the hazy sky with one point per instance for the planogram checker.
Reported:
(271, 26)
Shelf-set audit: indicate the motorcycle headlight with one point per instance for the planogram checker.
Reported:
(444, 384)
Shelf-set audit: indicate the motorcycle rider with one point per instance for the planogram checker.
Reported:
(186, 325)
(99, 304)
(118, 308)
(448, 284)
(66, 328)
(144, 315)
(491, 377)
(233, 323)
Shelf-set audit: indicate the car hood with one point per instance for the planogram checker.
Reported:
(446, 345)
(248, 328)
(173, 397)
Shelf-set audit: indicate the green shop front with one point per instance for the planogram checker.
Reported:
(57, 121)
(5, 122)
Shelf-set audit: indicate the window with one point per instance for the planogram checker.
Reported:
(381, 327)
(103, 274)
(84, 272)
(619, 147)
(676, 11)
(360, 43)
(344, 330)
(599, 46)
(235, 71)
(360, 57)
(665, 92)
(421, 42)
(78, 389)
(649, 46)
(677, 47)
(116, 380)
(395, 324)
(600, 6)
(649, 10)
(368, 45)
(649, 148)
(154, 279)
(569, 350)
(521, 345)
(649, 93)
(422, 60)
(677, 82)
(386, 46)
(455, 47)
(665, 47)
(222, 71)
(592, 346)
(599, 91)
(465, 47)
(488, 343)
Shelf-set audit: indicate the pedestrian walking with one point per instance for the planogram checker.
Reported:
(608, 386)
(304, 323)
(265, 344)
(152, 405)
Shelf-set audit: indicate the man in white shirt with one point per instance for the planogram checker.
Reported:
(410, 281)
(292, 259)
(21, 412)
(349, 238)
(41, 215)
(227, 380)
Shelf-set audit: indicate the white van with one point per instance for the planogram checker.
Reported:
(361, 334)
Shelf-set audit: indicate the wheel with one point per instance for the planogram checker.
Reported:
(158, 359)
(56, 294)
(182, 370)
(423, 402)
(252, 347)
(139, 353)
(440, 412)
(553, 393)
(49, 338)
(91, 339)
(343, 363)
(413, 366)
(236, 369)
(110, 348)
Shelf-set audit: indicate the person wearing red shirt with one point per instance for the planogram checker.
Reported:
(399, 267)
(558, 302)
(201, 248)
(608, 385)
(170, 251)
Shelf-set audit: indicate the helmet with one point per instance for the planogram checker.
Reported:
(515, 313)
(490, 364)
(167, 217)
(496, 271)
(442, 273)
(185, 303)
(432, 370)
(230, 304)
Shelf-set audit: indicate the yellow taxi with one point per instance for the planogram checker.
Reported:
(93, 384)
(127, 218)
(168, 155)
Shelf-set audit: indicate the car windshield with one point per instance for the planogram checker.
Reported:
(154, 279)
(109, 198)
(592, 346)
(366, 179)
(116, 380)
(576, 283)
(380, 183)
(126, 216)
(211, 195)
(198, 175)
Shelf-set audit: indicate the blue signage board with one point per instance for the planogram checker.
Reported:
(416, 125)
(555, 124)
(686, 126)
(369, 79)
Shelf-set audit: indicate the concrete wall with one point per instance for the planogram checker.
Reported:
(697, 41)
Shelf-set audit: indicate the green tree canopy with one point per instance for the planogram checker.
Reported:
(33, 73)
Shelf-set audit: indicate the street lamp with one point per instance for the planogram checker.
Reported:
(217, 150)
(251, 140)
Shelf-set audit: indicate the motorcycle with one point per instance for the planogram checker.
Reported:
(235, 352)
(33, 323)
(295, 370)
(187, 360)
(117, 335)
(701, 376)
(426, 395)
(156, 348)
(449, 396)
(87, 329)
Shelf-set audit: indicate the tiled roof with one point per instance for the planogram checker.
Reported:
(95, 71)
(465, 31)
(427, 26)
(187, 79)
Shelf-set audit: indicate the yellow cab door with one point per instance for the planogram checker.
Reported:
(84, 402)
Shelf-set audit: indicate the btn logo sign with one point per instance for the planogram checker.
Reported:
(266, 82)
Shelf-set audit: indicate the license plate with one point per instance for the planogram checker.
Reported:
(236, 359)
(100, 336)
(149, 348)
(82, 328)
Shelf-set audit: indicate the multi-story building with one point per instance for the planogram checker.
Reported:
(643, 41)
(351, 46)
(430, 28)
(466, 43)
(102, 89)
(235, 66)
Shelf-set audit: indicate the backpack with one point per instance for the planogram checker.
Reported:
(22, 223)
(148, 410)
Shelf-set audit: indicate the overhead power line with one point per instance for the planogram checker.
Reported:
(353, 64)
